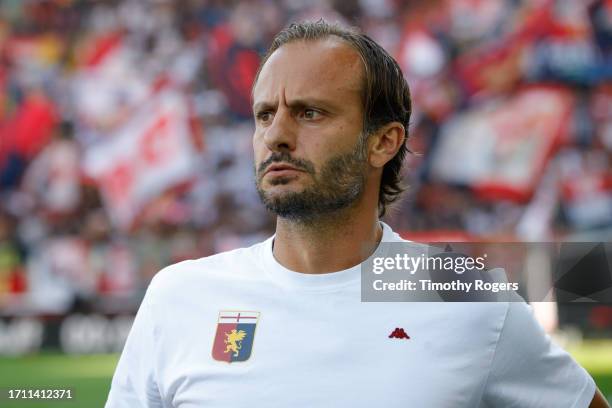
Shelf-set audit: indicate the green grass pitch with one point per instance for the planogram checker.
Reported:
(89, 376)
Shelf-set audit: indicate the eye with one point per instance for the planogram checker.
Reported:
(264, 116)
(311, 114)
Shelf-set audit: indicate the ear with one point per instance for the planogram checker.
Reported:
(385, 143)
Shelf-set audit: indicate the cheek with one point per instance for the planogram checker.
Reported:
(338, 138)
(259, 149)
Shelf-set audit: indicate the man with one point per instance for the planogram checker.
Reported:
(281, 323)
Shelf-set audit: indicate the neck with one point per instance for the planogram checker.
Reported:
(328, 244)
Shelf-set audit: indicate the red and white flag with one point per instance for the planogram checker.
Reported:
(145, 157)
(501, 151)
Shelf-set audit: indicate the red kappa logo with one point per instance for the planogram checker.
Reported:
(399, 333)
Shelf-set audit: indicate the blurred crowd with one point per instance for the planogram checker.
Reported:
(125, 130)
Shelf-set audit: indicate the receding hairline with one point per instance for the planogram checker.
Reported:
(327, 37)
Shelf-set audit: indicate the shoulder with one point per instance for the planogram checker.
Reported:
(230, 265)
(509, 322)
(520, 323)
(523, 343)
(527, 364)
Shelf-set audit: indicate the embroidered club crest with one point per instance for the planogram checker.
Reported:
(235, 334)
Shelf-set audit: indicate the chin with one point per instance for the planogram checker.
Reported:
(280, 190)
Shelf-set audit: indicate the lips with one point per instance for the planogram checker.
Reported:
(278, 168)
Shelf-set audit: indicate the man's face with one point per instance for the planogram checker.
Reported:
(310, 156)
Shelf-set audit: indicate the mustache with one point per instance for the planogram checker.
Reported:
(284, 157)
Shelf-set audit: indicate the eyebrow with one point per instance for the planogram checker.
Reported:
(296, 103)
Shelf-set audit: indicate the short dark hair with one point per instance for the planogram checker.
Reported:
(385, 95)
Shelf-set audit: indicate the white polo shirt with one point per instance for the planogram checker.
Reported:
(238, 329)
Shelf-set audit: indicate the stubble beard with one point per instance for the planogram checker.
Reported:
(336, 187)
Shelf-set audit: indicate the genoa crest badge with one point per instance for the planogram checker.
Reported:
(235, 334)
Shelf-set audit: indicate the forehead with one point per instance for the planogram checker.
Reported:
(329, 68)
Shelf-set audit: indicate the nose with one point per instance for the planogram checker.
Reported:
(280, 136)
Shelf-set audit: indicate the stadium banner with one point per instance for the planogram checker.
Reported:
(73, 333)
(150, 154)
(566, 272)
(501, 151)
